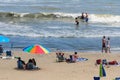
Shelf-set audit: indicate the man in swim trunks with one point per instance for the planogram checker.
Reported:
(103, 44)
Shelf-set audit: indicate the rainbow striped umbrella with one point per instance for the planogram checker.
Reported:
(36, 49)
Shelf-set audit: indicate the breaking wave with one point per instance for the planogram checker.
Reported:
(94, 18)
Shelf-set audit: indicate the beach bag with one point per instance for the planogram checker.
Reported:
(96, 78)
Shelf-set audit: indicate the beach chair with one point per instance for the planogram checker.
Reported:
(60, 58)
(8, 53)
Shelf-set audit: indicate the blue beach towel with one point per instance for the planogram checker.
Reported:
(82, 59)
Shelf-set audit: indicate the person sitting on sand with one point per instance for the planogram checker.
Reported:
(33, 61)
(70, 59)
(75, 56)
(21, 63)
(31, 64)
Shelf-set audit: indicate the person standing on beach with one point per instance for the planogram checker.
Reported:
(108, 45)
(104, 44)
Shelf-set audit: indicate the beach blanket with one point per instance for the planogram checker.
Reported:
(7, 57)
(82, 59)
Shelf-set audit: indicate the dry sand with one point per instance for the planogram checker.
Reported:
(52, 70)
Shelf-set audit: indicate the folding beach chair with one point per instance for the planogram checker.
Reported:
(8, 53)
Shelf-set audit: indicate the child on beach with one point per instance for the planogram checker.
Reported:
(76, 21)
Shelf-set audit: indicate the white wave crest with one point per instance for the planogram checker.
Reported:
(104, 18)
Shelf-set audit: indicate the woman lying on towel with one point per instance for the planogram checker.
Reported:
(75, 58)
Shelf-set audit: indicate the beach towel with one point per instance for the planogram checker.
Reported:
(82, 59)
(102, 72)
(7, 57)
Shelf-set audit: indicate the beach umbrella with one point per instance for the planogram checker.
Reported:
(102, 72)
(36, 49)
(4, 39)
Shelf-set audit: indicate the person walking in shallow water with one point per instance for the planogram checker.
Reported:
(108, 45)
(86, 17)
(104, 44)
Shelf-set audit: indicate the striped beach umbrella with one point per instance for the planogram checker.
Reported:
(36, 49)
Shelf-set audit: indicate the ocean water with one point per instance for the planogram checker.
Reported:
(51, 23)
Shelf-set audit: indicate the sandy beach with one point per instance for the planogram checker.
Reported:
(52, 70)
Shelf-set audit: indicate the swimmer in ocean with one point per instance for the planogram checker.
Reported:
(76, 21)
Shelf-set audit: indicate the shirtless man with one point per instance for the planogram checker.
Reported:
(103, 44)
